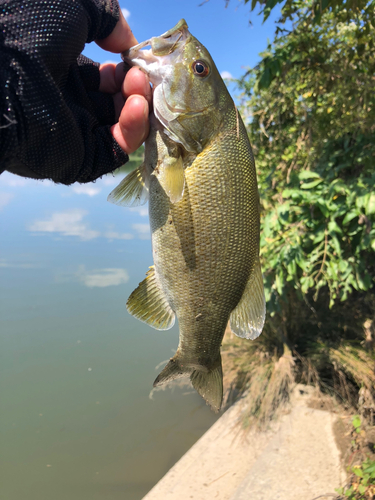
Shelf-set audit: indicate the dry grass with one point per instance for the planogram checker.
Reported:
(264, 376)
(264, 381)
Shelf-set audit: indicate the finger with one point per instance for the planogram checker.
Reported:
(118, 101)
(133, 127)
(120, 39)
(137, 82)
(112, 76)
(108, 82)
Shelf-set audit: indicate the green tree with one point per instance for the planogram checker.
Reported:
(312, 125)
(313, 10)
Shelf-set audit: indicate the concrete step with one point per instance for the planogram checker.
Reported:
(296, 459)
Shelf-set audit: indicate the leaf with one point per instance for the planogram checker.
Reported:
(310, 185)
(358, 471)
(333, 227)
(323, 208)
(348, 217)
(371, 204)
(356, 421)
(370, 469)
(306, 174)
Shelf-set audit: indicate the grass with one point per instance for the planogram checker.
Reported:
(331, 349)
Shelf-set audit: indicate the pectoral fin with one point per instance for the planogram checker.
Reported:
(132, 191)
(149, 304)
(171, 178)
(247, 319)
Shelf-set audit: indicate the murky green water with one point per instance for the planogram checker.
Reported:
(77, 420)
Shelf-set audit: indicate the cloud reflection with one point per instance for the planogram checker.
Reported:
(71, 223)
(68, 223)
(143, 231)
(5, 198)
(18, 264)
(8, 179)
(102, 277)
(141, 210)
(87, 189)
(114, 235)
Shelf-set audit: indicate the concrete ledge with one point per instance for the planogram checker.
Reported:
(297, 459)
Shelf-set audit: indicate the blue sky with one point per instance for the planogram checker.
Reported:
(234, 44)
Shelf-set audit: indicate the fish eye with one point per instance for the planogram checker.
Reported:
(200, 68)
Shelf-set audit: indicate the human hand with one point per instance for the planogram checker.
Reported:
(130, 89)
(57, 105)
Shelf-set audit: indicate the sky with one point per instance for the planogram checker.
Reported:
(233, 43)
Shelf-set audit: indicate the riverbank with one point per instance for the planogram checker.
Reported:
(297, 458)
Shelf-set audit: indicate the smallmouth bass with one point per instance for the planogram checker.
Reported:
(199, 177)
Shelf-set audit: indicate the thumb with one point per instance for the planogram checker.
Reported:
(120, 39)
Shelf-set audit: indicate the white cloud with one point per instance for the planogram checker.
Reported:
(86, 189)
(226, 75)
(141, 210)
(114, 235)
(5, 198)
(143, 231)
(125, 13)
(68, 223)
(110, 180)
(102, 277)
(110, 61)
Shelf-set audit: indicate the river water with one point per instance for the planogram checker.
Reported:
(78, 418)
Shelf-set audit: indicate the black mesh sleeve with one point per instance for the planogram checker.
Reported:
(54, 123)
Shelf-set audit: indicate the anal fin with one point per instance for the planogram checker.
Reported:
(132, 191)
(149, 304)
(247, 319)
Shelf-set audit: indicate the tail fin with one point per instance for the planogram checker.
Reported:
(170, 372)
(208, 383)
(210, 386)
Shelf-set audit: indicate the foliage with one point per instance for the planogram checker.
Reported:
(312, 131)
(315, 9)
(361, 484)
(311, 121)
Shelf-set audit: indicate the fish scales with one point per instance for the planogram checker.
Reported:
(206, 276)
(199, 175)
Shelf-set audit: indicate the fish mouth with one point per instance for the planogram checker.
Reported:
(156, 61)
(160, 45)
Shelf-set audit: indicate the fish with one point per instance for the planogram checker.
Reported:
(199, 178)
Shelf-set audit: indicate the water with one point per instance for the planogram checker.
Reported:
(77, 420)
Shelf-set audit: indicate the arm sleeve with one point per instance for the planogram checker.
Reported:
(54, 123)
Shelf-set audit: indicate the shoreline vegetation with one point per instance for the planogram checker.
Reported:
(310, 112)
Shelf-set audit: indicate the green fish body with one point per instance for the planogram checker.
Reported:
(199, 176)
